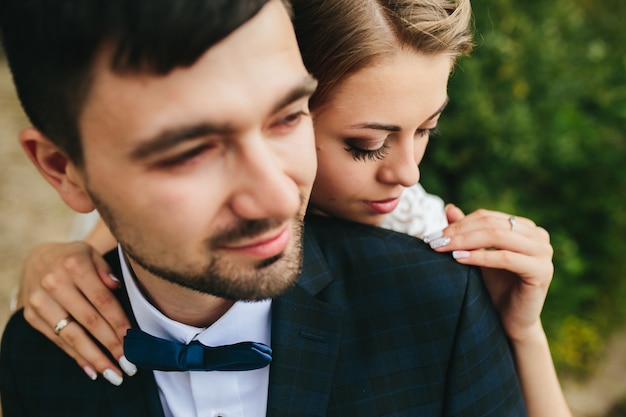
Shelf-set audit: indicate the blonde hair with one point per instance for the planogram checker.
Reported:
(339, 37)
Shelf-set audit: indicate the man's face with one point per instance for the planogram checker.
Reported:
(203, 175)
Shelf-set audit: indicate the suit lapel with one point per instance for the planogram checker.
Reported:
(306, 336)
(140, 394)
(138, 398)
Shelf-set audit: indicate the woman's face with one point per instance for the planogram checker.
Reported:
(371, 135)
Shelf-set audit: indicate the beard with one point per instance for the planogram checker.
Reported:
(214, 272)
(224, 278)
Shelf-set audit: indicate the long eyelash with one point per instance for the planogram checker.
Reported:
(365, 155)
(428, 132)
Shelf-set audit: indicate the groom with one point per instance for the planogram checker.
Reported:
(185, 123)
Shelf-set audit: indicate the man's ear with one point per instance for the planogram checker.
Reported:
(57, 169)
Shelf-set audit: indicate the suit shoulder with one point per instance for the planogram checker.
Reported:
(354, 242)
(387, 259)
(18, 333)
(26, 349)
(327, 230)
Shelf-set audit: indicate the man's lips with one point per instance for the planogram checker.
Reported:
(383, 206)
(267, 246)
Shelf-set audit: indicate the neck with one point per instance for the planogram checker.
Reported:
(178, 303)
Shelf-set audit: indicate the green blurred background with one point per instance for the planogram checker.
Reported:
(535, 127)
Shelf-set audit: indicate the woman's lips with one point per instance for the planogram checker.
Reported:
(383, 206)
(265, 247)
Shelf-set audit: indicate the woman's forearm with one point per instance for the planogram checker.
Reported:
(540, 384)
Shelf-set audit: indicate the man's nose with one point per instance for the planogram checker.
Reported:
(263, 189)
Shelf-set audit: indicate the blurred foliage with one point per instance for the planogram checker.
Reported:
(578, 345)
(535, 127)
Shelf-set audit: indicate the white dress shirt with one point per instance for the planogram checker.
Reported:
(208, 394)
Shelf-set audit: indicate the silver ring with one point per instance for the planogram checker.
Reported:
(61, 324)
(512, 220)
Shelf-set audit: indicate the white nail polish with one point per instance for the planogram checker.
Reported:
(114, 278)
(439, 242)
(127, 366)
(460, 254)
(113, 377)
(429, 238)
(93, 375)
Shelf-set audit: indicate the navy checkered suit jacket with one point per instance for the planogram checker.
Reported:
(378, 325)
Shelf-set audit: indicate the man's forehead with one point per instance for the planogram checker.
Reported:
(251, 73)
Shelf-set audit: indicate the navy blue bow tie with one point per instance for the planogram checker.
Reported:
(149, 352)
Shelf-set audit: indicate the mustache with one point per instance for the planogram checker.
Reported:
(244, 229)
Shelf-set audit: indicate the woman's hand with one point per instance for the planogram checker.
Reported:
(515, 256)
(72, 280)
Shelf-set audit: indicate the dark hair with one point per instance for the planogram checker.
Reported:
(340, 37)
(51, 45)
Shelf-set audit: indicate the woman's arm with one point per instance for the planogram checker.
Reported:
(62, 280)
(517, 270)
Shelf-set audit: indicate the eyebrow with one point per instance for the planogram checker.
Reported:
(171, 137)
(305, 88)
(394, 128)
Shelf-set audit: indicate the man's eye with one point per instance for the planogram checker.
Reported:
(292, 119)
(372, 155)
(184, 157)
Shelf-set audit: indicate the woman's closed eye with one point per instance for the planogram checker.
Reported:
(431, 132)
(361, 154)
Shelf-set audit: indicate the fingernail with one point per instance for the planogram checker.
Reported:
(429, 238)
(113, 377)
(93, 375)
(460, 254)
(127, 366)
(439, 242)
(114, 278)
